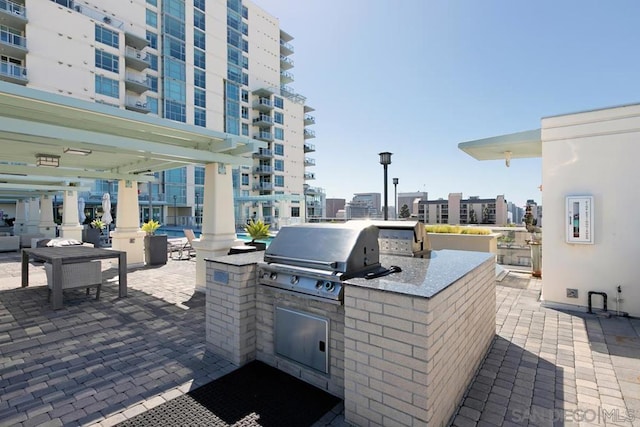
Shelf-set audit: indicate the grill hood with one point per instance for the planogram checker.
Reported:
(346, 248)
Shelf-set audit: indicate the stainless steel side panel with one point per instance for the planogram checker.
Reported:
(303, 338)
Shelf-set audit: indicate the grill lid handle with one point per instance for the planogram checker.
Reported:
(332, 264)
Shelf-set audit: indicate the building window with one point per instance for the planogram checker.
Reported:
(245, 129)
(174, 27)
(278, 181)
(152, 18)
(278, 134)
(278, 165)
(245, 12)
(199, 4)
(153, 2)
(152, 104)
(199, 39)
(245, 62)
(278, 149)
(199, 78)
(175, 90)
(278, 117)
(200, 117)
(245, 46)
(233, 55)
(174, 8)
(106, 36)
(198, 19)
(107, 61)
(153, 83)
(174, 48)
(107, 86)
(295, 211)
(245, 29)
(153, 61)
(245, 95)
(234, 74)
(174, 110)
(278, 102)
(175, 69)
(245, 79)
(152, 38)
(199, 58)
(232, 126)
(245, 179)
(199, 98)
(245, 112)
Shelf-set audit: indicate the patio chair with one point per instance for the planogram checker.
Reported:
(77, 275)
(187, 249)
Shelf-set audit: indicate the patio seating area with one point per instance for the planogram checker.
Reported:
(101, 362)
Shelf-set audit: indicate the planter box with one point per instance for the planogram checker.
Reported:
(465, 242)
(260, 246)
(155, 249)
(92, 235)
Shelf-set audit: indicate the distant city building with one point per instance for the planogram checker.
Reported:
(364, 205)
(456, 210)
(333, 206)
(411, 200)
(516, 213)
(536, 211)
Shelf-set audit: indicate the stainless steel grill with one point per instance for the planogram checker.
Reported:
(313, 259)
(402, 238)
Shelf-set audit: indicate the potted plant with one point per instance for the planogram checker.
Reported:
(257, 230)
(94, 232)
(155, 245)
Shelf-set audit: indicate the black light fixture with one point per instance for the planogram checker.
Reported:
(395, 198)
(175, 210)
(197, 200)
(385, 160)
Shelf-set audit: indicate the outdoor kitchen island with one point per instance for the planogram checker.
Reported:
(400, 348)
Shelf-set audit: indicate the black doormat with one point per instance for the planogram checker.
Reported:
(253, 395)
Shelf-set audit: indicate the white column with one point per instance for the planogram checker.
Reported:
(20, 224)
(218, 222)
(47, 226)
(33, 216)
(127, 235)
(70, 228)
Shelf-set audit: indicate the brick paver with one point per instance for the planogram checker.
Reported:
(100, 362)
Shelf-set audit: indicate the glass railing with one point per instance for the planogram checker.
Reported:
(13, 39)
(13, 70)
(13, 8)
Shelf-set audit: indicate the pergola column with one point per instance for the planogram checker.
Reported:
(218, 222)
(47, 226)
(19, 225)
(33, 216)
(127, 235)
(70, 228)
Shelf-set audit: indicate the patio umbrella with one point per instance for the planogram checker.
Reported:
(81, 215)
(106, 208)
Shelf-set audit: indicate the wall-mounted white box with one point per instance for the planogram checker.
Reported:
(579, 220)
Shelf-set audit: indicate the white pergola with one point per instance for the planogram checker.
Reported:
(518, 145)
(89, 141)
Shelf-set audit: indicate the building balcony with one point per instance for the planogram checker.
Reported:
(12, 45)
(136, 41)
(263, 104)
(308, 134)
(93, 13)
(263, 186)
(136, 84)
(308, 161)
(136, 59)
(263, 120)
(264, 136)
(286, 63)
(263, 170)
(136, 104)
(286, 49)
(309, 176)
(263, 92)
(311, 191)
(286, 77)
(13, 73)
(263, 153)
(13, 14)
(309, 120)
(309, 148)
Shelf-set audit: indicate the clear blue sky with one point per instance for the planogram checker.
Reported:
(417, 77)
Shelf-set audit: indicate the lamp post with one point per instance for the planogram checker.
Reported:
(197, 200)
(175, 210)
(395, 198)
(385, 160)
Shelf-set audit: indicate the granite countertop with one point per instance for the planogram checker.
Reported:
(239, 259)
(424, 276)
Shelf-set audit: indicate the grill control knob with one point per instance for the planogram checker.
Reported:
(274, 276)
(295, 280)
(319, 284)
(328, 286)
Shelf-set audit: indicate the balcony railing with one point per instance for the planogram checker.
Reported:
(12, 39)
(308, 161)
(309, 120)
(263, 170)
(16, 13)
(286, 63)
(263, 120)
(286, 48)
(308, 147)
(286, 77)
(308, 133)
(15, 73)
(263, 153)
(263, 186)
(309, 176)
(264, 136)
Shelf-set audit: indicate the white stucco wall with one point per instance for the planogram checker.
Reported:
(593, 153)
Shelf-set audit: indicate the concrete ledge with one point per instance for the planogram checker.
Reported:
(465, 242)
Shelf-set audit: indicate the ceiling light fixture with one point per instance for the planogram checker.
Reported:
(48, 160)
(77, 151)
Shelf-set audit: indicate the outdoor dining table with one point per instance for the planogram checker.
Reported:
(69, 255)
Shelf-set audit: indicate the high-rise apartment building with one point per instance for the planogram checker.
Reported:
(220, 64)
